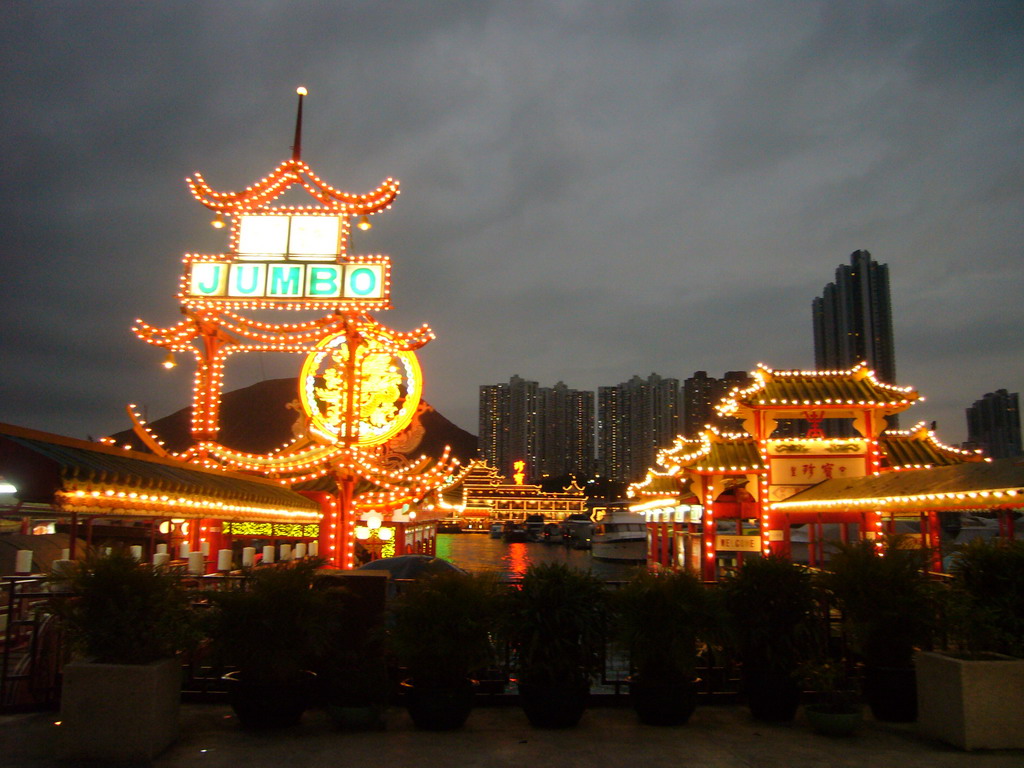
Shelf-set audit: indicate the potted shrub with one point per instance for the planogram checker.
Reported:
(770, 606)
(661, 619)
(440, 632)
(972, 695)
(836, 707)
(889, 610)
(352, 672)
(126, 622)
(274, 627)
(556, 626)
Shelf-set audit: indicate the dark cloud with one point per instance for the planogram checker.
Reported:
(590, 190)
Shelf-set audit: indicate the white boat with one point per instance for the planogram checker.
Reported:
(619, 535)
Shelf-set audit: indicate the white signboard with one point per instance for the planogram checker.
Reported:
(291, 238)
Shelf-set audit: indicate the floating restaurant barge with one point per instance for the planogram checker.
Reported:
(481, 497)
(722, 495)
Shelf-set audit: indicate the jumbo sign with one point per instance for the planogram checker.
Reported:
(288, 280)
(289, 257)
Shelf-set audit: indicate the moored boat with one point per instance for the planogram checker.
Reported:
(577, 531)
(619, 535)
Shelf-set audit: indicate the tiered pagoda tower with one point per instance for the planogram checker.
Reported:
(360, 384)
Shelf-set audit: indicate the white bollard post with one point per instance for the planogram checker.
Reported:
(224, 560)
(23, 561)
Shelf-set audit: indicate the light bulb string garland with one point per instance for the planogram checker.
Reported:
(360, 385)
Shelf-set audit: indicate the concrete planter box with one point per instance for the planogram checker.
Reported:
(971, 703)
(119, 712)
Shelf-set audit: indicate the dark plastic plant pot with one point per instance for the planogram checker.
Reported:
(662, 702)
(549, 705)
(263, 705)
(829, 722)
(439, 708)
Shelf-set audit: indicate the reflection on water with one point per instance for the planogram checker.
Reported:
(479, 553)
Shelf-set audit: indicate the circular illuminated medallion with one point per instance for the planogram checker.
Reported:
(386, 384)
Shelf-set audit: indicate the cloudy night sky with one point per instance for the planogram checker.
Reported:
(590, 190)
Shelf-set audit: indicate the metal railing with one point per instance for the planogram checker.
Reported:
(34, 652)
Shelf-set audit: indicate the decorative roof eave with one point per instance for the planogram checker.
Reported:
(660, 486)
(856, 388)
(919, 448)
(970, 485)
(122, 503)
(286, 175)
(1000, 498)
(93, 478)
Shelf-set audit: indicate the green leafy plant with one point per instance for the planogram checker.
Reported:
(441, 627)
(557, 624)
(120, 611)
(770, 606)
(834, 689)
(275, 626)
(985, 607)
(888, 602)
(661, 619)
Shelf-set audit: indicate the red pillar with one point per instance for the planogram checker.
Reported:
(333, 539)
(707, 549)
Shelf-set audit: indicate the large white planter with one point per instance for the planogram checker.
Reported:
(971, 703)
(119, 712)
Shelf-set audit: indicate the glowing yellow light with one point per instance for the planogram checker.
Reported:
(169, 361)
(364, 223)
(218, 221)
(301, 90)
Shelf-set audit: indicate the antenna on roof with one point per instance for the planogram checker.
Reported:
(297, 145)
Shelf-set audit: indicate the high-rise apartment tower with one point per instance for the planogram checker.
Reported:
(549, 428)
(635, 420)
(853, 319)
(993, 424)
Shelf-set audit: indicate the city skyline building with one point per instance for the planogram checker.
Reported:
(551, 429)
(566, 428)
(635, 420)
(853, 324)
(853, 319)
(700, 395)
(993, 424)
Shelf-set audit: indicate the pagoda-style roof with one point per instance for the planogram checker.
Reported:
(968, 485)
(856, 388)
(93, 478)
(290, 173)
(918, 448)
(658, 486)
(714, 452)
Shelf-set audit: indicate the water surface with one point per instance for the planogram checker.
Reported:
(479, 553)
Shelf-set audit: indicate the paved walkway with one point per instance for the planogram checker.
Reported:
(495, 737)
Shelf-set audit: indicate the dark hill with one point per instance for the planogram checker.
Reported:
(259, 418)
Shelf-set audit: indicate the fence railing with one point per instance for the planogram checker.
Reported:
(34, 651)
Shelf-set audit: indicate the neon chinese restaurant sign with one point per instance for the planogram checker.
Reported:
(283, 257)
(286, 280)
